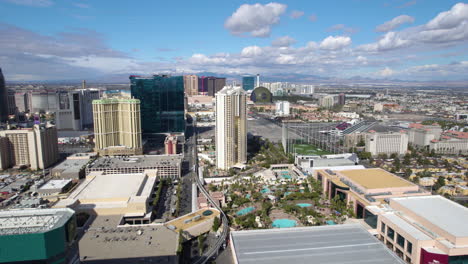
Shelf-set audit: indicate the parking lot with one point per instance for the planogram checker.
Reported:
(264, 128)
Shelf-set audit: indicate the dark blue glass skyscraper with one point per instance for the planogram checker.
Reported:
(161, 102)
(248, 83)
(3, 99)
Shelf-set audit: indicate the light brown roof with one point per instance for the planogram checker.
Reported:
(375, 178)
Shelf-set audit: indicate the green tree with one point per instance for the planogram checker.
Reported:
(439, 183)
(361, 143)
(216, 224)
(408, 172)
(407, 159)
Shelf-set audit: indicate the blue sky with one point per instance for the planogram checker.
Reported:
(75, 39)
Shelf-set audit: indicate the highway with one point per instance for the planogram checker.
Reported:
(213, 249)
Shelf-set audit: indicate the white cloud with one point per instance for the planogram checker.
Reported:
(38, 3)
(255, 20)
(391, 40)
(394, 23)
(450, 19)
(386, 72)
(251, 51)
(447, 28)
(335, 42)
(284, 41)
(296, 14)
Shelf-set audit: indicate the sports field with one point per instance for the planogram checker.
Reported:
(305, 149)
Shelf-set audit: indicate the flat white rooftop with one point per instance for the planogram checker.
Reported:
(405, 226)
(322, 244)
(112, 186)
(55, 184)
(447, 215)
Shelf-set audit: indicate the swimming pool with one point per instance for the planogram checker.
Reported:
(285, 175)
(265, 190)
(247, 196)
(304, 204)
(245, 211)
(283, 223)
(330, 222)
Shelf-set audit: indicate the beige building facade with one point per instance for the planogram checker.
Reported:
(117, 126)
(387, 143)
(34, 147)
(231, 127)
(191, 85)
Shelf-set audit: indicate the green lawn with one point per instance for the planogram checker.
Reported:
(305, 149)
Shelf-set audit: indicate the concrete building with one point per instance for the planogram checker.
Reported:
(282, 108)
(74, 167)
(386, 143)
(424, 229)
(3, 99)
(108, 241)
(365, 187)
(171, 145)
(103, 194)
(327, 101)
(167, 166)
(117, 125)
(12, 110)
(451, 142)
(22, 101)
(191, 85)
(231, 127)
(38, 236)
(43, 101)
(75, 110)
(378, 107)
(341, 99)
(35, 147)
(301, 245)
(421, 135)
(54, 187)
(307, 162)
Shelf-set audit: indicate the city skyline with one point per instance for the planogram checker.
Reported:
(395, 39)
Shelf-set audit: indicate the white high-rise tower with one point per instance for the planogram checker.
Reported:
(231, 127)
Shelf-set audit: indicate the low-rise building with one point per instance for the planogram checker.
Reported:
(115, 194)
(424, 229)
(54, 187)
(451, 142)
(307, 162)
(365, 187)
(167, 166)
(107, 240)
(38, 236)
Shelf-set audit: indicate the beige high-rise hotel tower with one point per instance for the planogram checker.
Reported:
(231, 127)
(117, 125)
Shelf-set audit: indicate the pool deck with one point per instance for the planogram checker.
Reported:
(280, 214)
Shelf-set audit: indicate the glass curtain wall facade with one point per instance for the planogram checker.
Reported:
(161, 101)
(248, 83)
